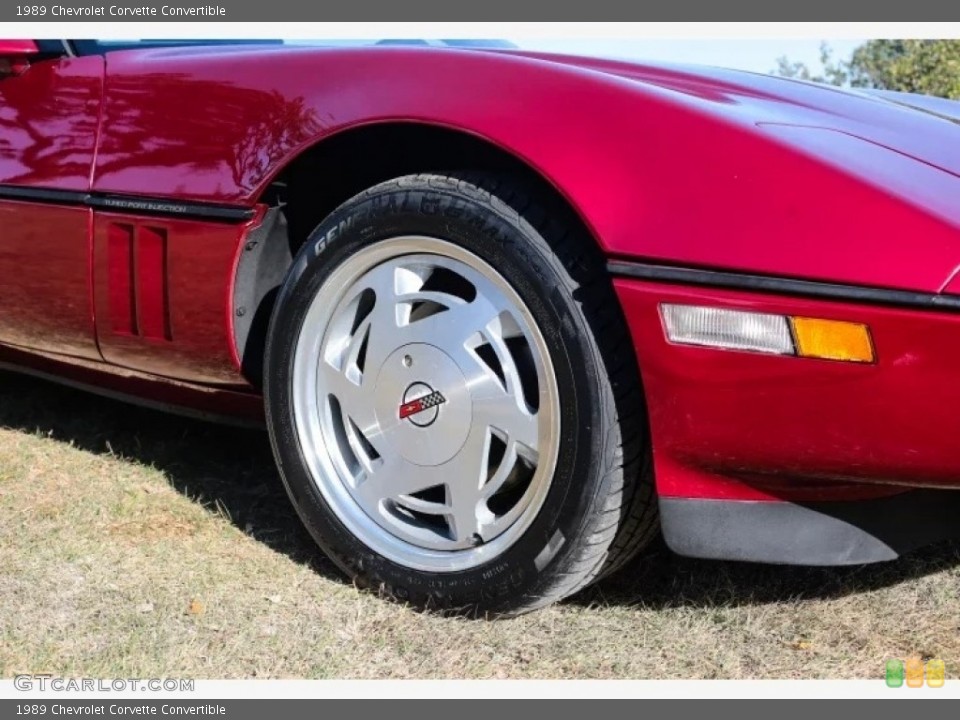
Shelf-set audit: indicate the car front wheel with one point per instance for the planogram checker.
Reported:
(453, 400)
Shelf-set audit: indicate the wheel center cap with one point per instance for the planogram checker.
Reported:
(423, 405)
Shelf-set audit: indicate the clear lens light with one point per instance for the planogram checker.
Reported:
(722, 328)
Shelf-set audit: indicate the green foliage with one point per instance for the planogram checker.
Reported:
(834, 72)
(929, 67)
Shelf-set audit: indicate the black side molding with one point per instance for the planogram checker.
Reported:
(43, 195)
(783, 286)
(133, 204)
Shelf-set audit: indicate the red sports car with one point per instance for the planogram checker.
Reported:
(504, 314)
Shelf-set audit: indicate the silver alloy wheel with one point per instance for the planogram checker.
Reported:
(426, 404)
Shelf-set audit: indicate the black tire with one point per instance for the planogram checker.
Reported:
(600, 509)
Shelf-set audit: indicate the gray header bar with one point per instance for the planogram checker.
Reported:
(488, 11)
(463, 708)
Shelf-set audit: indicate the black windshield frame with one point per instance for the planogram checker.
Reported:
(101, 47)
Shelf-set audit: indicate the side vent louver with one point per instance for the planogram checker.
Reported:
(139, 296)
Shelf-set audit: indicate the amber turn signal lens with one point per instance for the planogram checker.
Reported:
(832, 339)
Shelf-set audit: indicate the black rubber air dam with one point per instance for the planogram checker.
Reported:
(852, 532)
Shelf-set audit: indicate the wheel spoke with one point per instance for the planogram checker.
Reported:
(502, 472)
(522, 429)
(359, 445)
(503, 412)
(355, 398)
(454, 327)
(468, 472)
(383, 332)
(498, 334)
(424, 506)
(395, 478)
(445, 299)
(464, 523)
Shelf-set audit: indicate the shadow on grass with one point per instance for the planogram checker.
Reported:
(233, 469)
(223, 467)
(661, 579)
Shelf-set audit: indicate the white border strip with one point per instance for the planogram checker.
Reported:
(540, 689)
(277, 689)
(545, 30)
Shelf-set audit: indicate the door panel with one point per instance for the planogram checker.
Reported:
(163, 295)
(48, 129)
(48, 123)
(45, 299)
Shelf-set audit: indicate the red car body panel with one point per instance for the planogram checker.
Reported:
(47, 304)
(49, 120)
(694, 168)
(49, 117)
(163, 293)
(17, 47)
(752, 426)
(675, 167)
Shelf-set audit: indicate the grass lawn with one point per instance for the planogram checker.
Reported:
(136, 544)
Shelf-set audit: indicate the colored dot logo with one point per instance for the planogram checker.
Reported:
(913, 671)
(936, 673)
(894, 673)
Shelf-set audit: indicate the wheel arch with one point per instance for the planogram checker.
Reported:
(321, 177)
(391, 148)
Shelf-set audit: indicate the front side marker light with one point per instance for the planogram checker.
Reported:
(767, 333)
(832, 339)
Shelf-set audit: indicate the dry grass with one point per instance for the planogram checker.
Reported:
(134, 544)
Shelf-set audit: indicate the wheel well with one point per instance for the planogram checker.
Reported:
(323, 177)
(333, 171)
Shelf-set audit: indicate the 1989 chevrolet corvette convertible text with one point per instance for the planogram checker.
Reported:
(505, 315)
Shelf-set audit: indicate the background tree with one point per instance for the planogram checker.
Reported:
(929, 67)
(834, 72)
